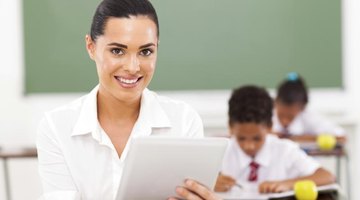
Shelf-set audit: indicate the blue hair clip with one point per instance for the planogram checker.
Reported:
(292, 76)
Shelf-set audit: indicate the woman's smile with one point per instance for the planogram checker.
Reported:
(127, 81)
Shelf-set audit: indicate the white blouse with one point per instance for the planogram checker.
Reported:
(76, 157)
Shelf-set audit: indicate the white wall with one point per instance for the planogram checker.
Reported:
(19, 114)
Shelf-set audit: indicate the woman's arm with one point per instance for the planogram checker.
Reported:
(55, 176)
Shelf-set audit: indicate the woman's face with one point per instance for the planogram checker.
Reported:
(125, 56)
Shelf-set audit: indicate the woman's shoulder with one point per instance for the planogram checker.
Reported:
(69, 108)
(85, 102)
(66, 117)
(182, 118)
(176, 110)
(168, 103)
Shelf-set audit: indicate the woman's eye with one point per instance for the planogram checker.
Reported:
(117, 51)
(146, 52)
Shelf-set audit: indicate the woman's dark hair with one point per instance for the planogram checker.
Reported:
(120, 9)
(292, 90)
(250, 104)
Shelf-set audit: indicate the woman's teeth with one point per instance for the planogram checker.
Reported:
(128, 81)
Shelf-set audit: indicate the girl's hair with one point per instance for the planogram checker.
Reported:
(292, 90)
(120, 9)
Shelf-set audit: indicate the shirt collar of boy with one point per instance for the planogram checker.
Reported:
(296, 127)
(151, 114)
(263, 156)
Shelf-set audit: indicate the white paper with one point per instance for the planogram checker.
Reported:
(252, 193)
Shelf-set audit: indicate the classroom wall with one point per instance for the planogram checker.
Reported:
(19, 114)
(285, 34)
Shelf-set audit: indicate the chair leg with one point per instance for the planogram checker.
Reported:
(338, 169)
(348, 177)
(6, 179)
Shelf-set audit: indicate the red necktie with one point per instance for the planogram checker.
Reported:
(285, 133)
(253, 171)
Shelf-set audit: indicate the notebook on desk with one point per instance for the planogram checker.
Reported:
(243, 194)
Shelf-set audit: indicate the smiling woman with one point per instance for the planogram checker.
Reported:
(82, 146)
(125, 56)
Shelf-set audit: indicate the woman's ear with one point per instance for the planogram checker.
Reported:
(90, 46)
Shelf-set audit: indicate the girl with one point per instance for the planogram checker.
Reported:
(291, 118)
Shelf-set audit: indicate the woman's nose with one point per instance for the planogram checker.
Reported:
(132, 64)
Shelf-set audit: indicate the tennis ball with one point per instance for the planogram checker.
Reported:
(305, 190)
(326, 142)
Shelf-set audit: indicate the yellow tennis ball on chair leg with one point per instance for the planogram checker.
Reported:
(305, 190)
(326, 142)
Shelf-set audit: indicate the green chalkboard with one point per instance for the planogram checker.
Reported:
(204, 44)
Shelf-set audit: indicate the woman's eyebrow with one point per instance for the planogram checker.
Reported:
(125, 46)
(146, 45)
(118, 45)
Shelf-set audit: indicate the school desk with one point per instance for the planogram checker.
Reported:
(10, 153)
(327, 192)
(339, 153)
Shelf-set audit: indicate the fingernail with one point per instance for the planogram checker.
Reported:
(188, 182)
(178, 189)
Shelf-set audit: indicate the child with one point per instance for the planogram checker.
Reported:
(256, 158)
(291, 118)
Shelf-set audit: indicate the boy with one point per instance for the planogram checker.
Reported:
(256, 158)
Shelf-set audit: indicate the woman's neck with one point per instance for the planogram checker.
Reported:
(113, 109)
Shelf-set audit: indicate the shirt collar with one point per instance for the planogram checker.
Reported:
(151, 112)
(151, 115)
(295, 127)
(264, 154)
(87, 121)
(243, 158)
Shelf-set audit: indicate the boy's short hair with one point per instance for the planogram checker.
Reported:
(250, 104)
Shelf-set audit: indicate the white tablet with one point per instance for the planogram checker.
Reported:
(155, 166)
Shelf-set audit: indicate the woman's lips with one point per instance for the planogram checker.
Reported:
(128, 82)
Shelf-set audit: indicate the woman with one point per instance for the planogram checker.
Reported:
(82, 145)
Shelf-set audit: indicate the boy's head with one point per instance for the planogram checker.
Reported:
(291, 99)
(250, 115)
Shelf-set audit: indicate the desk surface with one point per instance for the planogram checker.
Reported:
(18, 152)
(326, 192)
(312, 149)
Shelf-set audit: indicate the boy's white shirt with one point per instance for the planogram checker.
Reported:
(279, 159)
(77, 159)
(308, 122)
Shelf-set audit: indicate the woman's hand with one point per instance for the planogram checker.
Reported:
(224, 183)
(195, 191)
